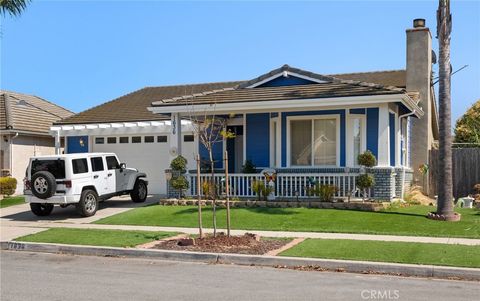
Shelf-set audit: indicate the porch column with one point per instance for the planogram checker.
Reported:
(58, 145)
(383, 136)
(175, 136)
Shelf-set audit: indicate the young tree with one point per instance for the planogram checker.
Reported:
(210, 129)
(445, 195)
(13, 7)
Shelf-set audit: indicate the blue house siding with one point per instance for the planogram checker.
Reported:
(372, 130)
(309, 113)
(391, 119)
(77, 144)
(217, 152)
(257, 139)
(286, 81)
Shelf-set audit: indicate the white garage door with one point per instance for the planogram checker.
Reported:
(148, 153)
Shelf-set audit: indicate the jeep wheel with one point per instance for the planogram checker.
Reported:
(41, 209)
(88, 204)
(44, 184)
(139, 192)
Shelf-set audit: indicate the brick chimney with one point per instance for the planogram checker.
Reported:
(419, 79)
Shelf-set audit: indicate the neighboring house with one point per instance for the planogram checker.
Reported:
(25, 121)
(301, 123)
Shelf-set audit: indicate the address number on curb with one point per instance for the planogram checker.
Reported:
(16, 246)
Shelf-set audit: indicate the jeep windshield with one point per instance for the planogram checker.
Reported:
(55, 166)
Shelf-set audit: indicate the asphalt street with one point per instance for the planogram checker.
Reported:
(36, 276)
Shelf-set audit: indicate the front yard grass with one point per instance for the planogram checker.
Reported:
(95, 237)
(399, 221)
(11, 201)
(398, 252)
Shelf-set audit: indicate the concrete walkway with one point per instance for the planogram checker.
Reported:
(17, 221)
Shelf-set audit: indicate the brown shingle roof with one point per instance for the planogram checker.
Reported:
(23, 112)
(133, 106)
(322, 90)
(395, 78)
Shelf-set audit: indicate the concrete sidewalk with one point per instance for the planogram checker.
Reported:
(17, 221)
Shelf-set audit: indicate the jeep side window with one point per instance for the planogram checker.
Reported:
(79, 166)
(97, 163)
(112, 163)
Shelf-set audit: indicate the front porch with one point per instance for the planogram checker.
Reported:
(293, 185)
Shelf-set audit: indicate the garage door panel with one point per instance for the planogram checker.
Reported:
(151, 158)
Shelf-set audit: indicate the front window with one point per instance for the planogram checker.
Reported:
(313, 142)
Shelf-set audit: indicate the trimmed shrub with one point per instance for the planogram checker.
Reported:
(365, 181)
(179, 164)
(367, 159)
(7, 185)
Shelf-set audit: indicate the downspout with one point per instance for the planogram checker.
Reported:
(403, 167)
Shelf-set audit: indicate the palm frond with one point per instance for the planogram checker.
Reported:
(13, 7)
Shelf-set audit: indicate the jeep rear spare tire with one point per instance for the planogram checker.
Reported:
(88, 204)
(43, 184)
(139, 192)
(41, 209)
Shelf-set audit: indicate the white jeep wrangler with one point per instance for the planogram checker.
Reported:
(81, 180)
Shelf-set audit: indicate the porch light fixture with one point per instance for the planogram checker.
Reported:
(81, 142)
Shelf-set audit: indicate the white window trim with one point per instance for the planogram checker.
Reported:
(313, 117)
(273, 145)
(351, 162)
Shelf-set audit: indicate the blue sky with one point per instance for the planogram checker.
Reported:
(82, 53)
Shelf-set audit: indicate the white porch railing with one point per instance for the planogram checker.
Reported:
(287, 185)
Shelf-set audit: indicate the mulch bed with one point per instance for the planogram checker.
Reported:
(247, 244)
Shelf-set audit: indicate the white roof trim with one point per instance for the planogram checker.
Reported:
(291, 105)
(286, 73)
(117, 128)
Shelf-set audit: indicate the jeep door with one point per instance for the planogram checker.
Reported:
(99, 175)
(114, 177)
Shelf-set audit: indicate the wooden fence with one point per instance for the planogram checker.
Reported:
(466, 170)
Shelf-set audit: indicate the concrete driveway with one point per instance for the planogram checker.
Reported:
(17, 220)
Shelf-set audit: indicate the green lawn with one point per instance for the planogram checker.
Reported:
(400, 252)
(95, 237)
(401, 221)
(10, 201)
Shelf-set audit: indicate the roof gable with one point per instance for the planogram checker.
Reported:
(286, 76)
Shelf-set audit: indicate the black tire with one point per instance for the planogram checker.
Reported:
(139, 192)
(41, 209)
(88, 204)
(43, 184)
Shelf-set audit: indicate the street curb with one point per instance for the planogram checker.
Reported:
(258, 260)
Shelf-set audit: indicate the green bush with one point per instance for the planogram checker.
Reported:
(249, 167)
(179, 183)
(7, 185)
(367, 159)
(261, 189)
(179, 164)
(365, 181)
(325, 192)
